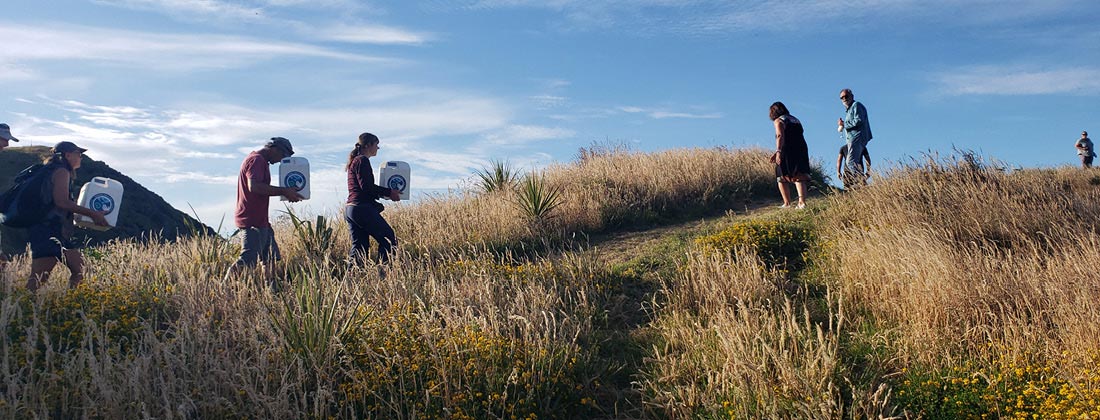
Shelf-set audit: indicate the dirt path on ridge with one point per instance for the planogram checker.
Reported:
(650, 254)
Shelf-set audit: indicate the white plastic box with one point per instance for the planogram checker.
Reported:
(102, 195)
(294, 172)
(395, 175)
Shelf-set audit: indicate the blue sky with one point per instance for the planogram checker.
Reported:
(174, 93)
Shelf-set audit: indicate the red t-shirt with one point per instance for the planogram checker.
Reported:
(252, 207)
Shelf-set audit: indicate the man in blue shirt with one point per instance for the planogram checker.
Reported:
(857, 131)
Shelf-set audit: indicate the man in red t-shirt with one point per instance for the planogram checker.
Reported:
(254, 191)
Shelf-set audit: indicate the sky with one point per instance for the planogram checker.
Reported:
(175, 93)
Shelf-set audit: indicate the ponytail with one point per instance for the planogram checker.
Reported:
(365, 140)
(352, 155)
(58, 159)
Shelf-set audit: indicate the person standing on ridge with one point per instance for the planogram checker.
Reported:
(791, 158)
(857, 131)
(1085, 150)
(254, 191)
(52, 238)
(363, 212)
(846, 178)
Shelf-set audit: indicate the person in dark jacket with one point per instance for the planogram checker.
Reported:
(852, 179)
(363, 212)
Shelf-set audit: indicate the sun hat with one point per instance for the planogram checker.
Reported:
(283, 144)
(5, 132)
(68, 146)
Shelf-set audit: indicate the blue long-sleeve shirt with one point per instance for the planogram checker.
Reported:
(856, 124)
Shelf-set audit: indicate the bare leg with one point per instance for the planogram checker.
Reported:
(40, 271)
(75, 262)
(785, 193)
(801, 187)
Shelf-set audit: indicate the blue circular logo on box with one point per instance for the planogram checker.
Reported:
(102, 203)
(397, 182)
(295, 179)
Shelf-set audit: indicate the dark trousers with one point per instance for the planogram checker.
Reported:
(365, 221)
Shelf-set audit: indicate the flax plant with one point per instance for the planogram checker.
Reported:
(537, 198)
(499, 176)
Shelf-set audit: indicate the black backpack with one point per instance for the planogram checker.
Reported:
(29, 199)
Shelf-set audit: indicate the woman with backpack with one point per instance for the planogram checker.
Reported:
(363, 212)
(51, 239)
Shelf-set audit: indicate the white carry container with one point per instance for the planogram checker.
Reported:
(102, 195)
(395, 175)
(294, 172)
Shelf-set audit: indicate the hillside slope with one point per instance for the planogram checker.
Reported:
(143, 212)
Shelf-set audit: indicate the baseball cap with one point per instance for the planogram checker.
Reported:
(5, 132)
(281, 143)
(68, 146)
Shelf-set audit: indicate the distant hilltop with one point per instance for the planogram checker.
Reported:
(143, 212)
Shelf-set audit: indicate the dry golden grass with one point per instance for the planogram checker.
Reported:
(467, 323)
(599, 192)
(944, 290)
(958, 256)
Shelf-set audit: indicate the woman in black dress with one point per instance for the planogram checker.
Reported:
(791, 158)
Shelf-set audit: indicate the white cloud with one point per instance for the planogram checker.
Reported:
(191, 8)
(260, 12)
(660, 114)
(366, 34)
(200, 178)
(163, 52)
(723, 16)
(1014, 80)
(514, 135)
(548, 101)
(230, 11)
(15, 73)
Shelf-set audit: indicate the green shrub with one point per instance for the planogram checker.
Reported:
(779, 244)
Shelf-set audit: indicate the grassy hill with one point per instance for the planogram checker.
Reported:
(142, 214)
(947, 289)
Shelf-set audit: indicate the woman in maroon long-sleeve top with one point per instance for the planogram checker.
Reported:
(364, 212)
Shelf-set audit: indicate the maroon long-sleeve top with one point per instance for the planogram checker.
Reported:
(361, 186)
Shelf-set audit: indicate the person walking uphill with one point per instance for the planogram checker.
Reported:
(857, 131)
(363, 212)
(254, 191)
(791, 158)
(51, 239)
(1085, 150)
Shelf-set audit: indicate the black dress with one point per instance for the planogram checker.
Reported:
(794, 158)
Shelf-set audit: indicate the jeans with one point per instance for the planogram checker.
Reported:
(365, 222)
(853, 163)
